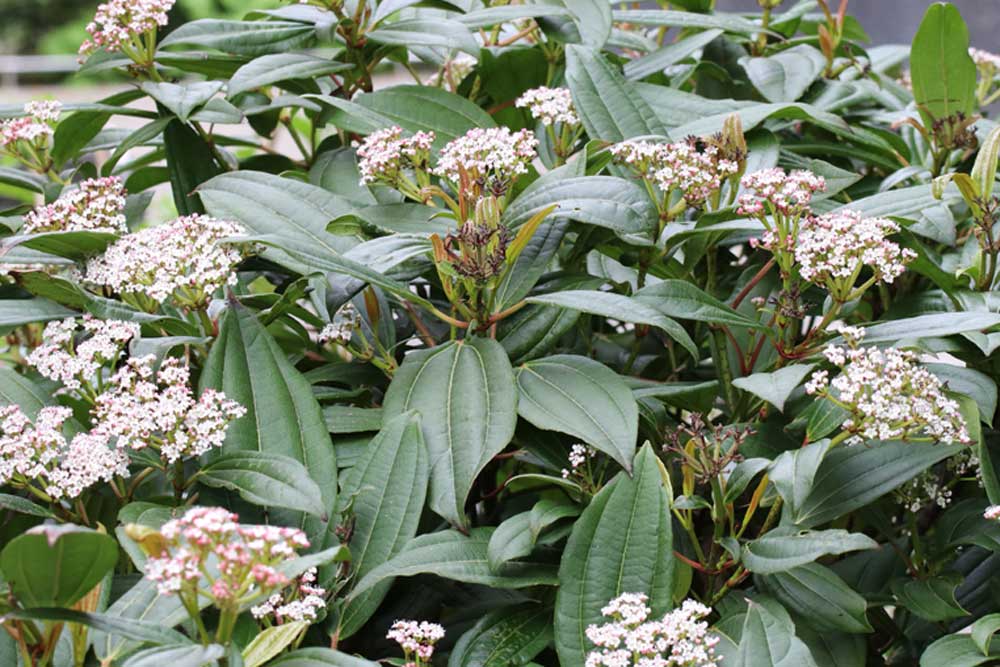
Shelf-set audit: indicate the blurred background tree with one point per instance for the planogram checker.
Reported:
(57, 26)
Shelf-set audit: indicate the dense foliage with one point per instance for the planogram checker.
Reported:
(622, 337)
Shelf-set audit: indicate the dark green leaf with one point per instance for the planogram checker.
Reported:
(388, 486)
(266, 479)
(583, 398)
(54, 566)
(464, 392)
(504, 637)
(452, 555)
(781, 550)
(622, 543)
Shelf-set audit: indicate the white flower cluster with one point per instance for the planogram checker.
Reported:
(384, 154)
(96, 205)
(492, 156)
(549, 105)
(75, 364)
(578, 455)
(888, 395)
(416, 639)
(345, 321)
(832, 249)
(680, 167)
(301, 603)
(985, 59)
(992, 513)
(183, 259)
(934, 486)
(142, 411)
(40, 456)
(34, 128)
(777, 191)
(118, 23)
(679, 639)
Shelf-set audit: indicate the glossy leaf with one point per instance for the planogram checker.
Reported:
(781, 550)
(506, 636)
(266, 479)
(621, 543)
(388, 485)
(55, 566)
(465, 395)
(583, 398)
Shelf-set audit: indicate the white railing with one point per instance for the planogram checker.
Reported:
(13, 67)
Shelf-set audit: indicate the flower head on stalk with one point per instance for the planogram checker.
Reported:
(27, 138)
(553, 108)
(629, 639)
(831, 251)
(185, 261)
(385, 157)
(143, 409)
(240, 563)
(779, 200)
(486, 160)
(887, 395)
(78, 363)
(95, 205)
(549, 105)
(128, 26)
(39, 457)
(301, 602)
(684, 174)
(417, 640)
(345, 322)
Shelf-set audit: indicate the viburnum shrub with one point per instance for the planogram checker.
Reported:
(620, 337)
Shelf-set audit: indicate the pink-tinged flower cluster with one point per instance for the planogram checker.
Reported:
(301, 602)
(76, 363)
(578, 455)
(145, 409)
(992, 513)
(549, 105)
(383, 155)
(239, 562)
(679, 639)
(832, 249)
(490, 157)
(678, 167)
(184, 260)
(417, 640)
(40, 456)
(888, 396)
(32, 131)
(95, 205)
(774, 191)
(118, 24)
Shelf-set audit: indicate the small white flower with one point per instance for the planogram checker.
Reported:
(118, 23)
(679, 639)
(549, 105)
(384, 154)
(832, 249)
(95, 205)
(678, 167)
(774, 190)
(142, 409)
(40, 455)
(184, 259)
(493, 156)
(888, 396)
